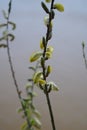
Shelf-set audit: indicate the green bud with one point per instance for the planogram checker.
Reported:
(36, 123)
(42, 82)
(42, 43)
(35, 56)
(53, 86)
(49, 52)
(42, 61)
(59, 7)
(48, 55)
(37, 76)
(49, 69)
(50, 49)
(46, 21)
(48, 1)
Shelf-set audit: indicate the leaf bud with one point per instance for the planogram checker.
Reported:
(41, 82)
(35, 56)
(50, 49)
(45, 7)
(48, 55)
(53, 86)
(42, 61)
(37, 76)
(59, 7)
(49, 69)
(42, 43)
(48, 1)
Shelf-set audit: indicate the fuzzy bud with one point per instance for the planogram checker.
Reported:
(59, 7)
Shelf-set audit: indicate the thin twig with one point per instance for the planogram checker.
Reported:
(84, 56)
(11, 65)
(44, 76)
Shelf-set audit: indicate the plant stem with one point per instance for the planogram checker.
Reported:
(10, 60)
(84, 56)
(12, 69)
(50, 111)
(44, 69)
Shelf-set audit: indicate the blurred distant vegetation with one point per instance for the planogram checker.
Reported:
(84, 54)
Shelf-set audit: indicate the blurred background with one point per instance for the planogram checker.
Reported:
(69, 72)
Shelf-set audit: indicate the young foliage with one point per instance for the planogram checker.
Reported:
(40, 72)
(30, 113)
(45, 53)
(59, 7)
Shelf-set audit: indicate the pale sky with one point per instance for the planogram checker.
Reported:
(69, 30)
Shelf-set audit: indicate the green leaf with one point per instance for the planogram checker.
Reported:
(35, 56)
(28, 86)
(37, 76)
(29, 112)
(46, 20)
(53, 86)
(36, 123)
(23, 103)
(48, 1)
(48, 55)
(42, 43)
(49, 52)
(41, 81)
(50, 49)
(11, 36)
(9, 9)
(42, 61)
(3, 45)
(2, 38)
(3, 25)
(37, 113)
(5, 33)
(12, 24)
(49, 69)
(59, 7)
(32, 68)
(20, 110)
(26, 100)
(45, 7)
(34, 94)
(24, 126)
(4, 14)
